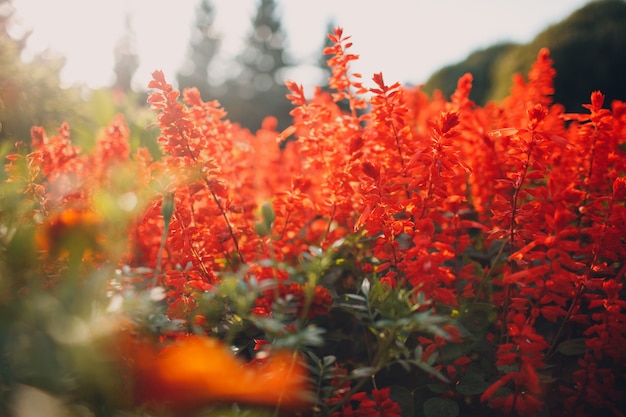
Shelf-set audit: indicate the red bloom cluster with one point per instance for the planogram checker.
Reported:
(378, 403)
(516, 206)
(295, 294)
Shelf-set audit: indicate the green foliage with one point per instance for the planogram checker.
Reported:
(588, 53)
(441, 407)
(30, 92)
(31, 95)
(102, 105)
(587, 49)
(481, 64)
(50, 339)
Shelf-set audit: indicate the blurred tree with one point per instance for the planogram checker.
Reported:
(30, 92)
(480, 64)
(101, 105)
(258, 89)
(6, 14)
(202, 48)
(587, 49)
(126, 58)
(264, 55)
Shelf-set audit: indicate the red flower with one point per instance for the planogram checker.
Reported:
(319, 304)
(70, 231)
(378, 404)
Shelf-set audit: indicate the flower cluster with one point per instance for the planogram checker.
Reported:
(362, 405)
(418, 255)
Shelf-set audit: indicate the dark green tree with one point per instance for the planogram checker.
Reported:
(264, 54)
(258, 89)
(203, 46)
(30, 92)
(126, 58)
(588, 50)
(480, 64)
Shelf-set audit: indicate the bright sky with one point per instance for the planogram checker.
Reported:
(406, 40)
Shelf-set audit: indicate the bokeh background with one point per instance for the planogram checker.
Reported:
(95, 57)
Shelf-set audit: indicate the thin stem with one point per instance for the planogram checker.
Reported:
(490, 272)
(330, 223)
(570, 311)
(157, 270)
(284, 231)
(589, 174)
(167, 210)
(512, 231)
(219, 205)
(228, 225)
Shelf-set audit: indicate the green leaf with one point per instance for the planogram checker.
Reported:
(404, 398)
(167, 207)
(365, 286)
(472, 383)
(573, 347)
(384, 324)
(477, 317)
(364, 372)
(421, 299)
(440, 407)
(436, 388)
(453, 351)
(431, 370)
(268, 215)
(329, 360)
(355, 297)
(316, 251)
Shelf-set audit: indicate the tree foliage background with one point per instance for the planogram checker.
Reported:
(30, 92)
(253, 87)
(588, 52)
(203, 47)
(587, 48)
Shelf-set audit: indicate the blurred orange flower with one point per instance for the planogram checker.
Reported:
(196, 372)
(68, 231)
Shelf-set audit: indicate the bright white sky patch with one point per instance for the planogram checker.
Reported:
(406, 40)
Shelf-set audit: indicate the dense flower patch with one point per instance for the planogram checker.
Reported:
(417, 255)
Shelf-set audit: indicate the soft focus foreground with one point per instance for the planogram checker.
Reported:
(389, 254)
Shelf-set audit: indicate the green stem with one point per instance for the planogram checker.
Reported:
(167, 210)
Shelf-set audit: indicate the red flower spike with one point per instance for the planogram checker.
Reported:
(370, 170)
(536, 114)
(448, 121)
(597, 101)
